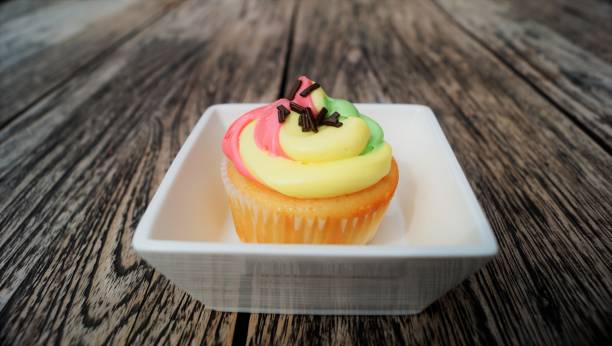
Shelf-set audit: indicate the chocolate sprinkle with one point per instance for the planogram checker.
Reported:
(312, 124)
(332, 120)
(295, 88)
(283, 109)
(312, 87)
(331, 123)
(296, 108)
(321, 116)
(307, 121)
(281, 116)
(305, 124)
(282, 113)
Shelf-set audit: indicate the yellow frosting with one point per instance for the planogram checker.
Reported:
(318, 98)
(341, 172)
(328, 144)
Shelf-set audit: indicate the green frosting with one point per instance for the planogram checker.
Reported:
(347, 109)
(376, 134)
(344, 107)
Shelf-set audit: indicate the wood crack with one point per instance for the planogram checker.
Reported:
(288, 50)
(241, 329)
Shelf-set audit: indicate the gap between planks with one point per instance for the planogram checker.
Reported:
(290, 35)
(241, 326)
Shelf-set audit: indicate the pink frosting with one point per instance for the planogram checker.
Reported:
(266, 129)
(305, 101)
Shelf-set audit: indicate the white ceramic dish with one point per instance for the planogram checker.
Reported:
(433, 236)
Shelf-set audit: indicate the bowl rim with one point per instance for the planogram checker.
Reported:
(143, 243)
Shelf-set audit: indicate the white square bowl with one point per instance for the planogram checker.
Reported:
(433, 236)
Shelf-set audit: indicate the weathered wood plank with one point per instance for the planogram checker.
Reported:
(45, 26)
(543, 183)
(560, 47)
(79, 167)
(259, 58)
(42, 49)
(13, 9)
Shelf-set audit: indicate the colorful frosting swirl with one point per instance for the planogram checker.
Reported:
(287, 157)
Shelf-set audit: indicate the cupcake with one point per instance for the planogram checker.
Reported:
(307, 169)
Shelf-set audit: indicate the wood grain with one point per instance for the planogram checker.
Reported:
(34, 64)
(79, 167)
(37, 29)
(15, 9)
(86, 137)
(543, 183)
(566, 61)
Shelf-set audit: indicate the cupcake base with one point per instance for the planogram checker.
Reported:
(262, 215)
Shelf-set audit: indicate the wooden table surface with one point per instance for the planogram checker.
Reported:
(96, 98)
